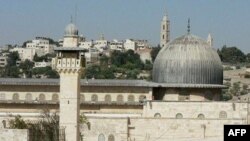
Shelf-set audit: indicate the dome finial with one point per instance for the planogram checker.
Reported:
(188, 30)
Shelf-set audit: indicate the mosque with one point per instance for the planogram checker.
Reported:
(181, 103)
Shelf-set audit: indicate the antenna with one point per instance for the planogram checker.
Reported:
(75, 12)
(71, 19)
(188, 27)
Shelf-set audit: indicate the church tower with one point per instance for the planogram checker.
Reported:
(70, 63)
(165, 31)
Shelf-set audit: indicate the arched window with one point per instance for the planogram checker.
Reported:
(223, 114)
(94, 98)
(101, 137)
(28, 97)
(184, 95)
(141, 97)
(131, 98)
(157, 115)
(163, 27)
(111, 138)
(82, 98)
(107, 98)
(179, 115)
(42, 97)
(163, 36)
(15, 97)
(119, 98)
(55, 97)
(201, 116)
(2, 96)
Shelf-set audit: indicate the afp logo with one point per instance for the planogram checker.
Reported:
(236, 132)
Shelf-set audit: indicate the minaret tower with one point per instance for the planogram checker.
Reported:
(70, 63)
(210, 40)
(165, 31)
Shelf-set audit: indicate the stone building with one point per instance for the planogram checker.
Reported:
(182, 103)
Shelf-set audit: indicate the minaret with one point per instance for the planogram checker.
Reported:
(71, 37)
(210, 40)
(165, 31)
(70, 63)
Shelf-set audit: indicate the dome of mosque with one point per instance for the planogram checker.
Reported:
(188, 60)
(71, 30)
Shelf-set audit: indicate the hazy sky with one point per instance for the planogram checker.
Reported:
(227, 20)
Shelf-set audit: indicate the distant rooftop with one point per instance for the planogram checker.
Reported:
(102, 82)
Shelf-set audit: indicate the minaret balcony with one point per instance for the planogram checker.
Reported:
(68, 63)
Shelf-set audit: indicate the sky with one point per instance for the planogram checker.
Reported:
(228, 21)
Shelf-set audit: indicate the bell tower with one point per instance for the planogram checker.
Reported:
(165, 31)
(70, 64)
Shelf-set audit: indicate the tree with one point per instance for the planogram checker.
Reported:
(248, 57)
(25, 43)
(11, 70)
(235, 90)
(26, 67)
(154, 52)
(232, 55)
(46, 71)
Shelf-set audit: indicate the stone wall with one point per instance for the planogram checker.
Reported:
(188, 109)
(160, 129)
(13, 135)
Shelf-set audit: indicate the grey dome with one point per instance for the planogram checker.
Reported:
(71, 30)
(188, 60)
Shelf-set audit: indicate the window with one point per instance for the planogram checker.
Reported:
(101, 137)
(41, 97)
(2, 96)
(179, 115)
(184, 95)
(223, 114)
(111, 138)
(94, 98)
(107, 98)
(131, 98)
(15, 97)
(55, 97)
(162, 36)
(163, 27)
(157, 115)
(201, 116)
(119, 98)
(82, 98)
(28, 97)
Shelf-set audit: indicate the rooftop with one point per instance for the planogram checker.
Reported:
(102, 82)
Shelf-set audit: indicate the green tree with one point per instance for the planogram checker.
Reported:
(232, 55)
(26, 67)
(248, 57)
(154, 52)
(235, 90)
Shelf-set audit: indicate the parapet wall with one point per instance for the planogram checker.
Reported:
(14, 135)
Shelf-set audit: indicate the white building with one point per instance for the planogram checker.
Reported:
(43, 44)
(142, 44)
(130, 44)
(28, 53)
(101, 44)
(116, 45)
(86, 44)
(42, 64)
(3, 61)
